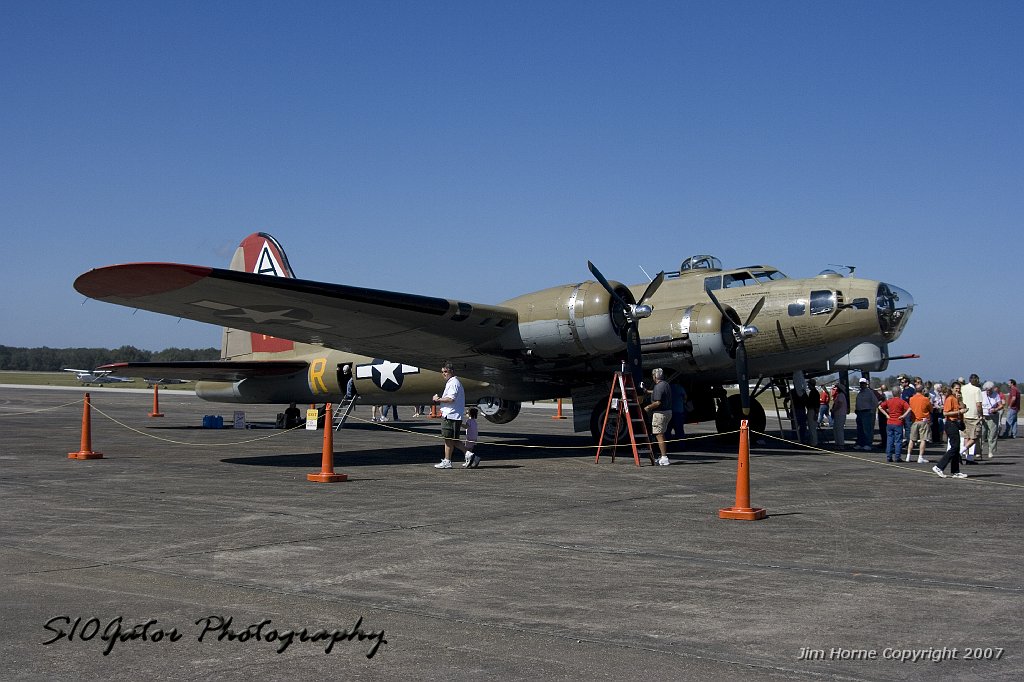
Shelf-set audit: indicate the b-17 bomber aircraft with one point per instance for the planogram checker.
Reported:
(288, 339)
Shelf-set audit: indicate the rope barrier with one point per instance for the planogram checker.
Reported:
(688, 439)
(861, 458)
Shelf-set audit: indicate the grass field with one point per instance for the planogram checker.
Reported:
(69, 379)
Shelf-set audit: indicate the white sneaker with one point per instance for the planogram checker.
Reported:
(469, 460)
(959, 474)
(445, 464)
(939, 472)
(922, 460)
(663, 461)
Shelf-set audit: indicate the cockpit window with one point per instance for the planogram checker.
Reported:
(713, 282)
(822, 302)
(738, 279)
(768, 275)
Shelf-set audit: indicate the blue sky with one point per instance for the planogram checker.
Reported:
(484, 149)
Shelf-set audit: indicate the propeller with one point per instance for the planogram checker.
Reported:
(740, 333)
(633, 312)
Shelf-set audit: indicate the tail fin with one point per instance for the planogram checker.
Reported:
(262, 254)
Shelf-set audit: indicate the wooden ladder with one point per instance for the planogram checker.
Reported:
(627, 403)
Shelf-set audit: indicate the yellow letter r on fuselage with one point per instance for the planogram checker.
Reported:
(316, 375)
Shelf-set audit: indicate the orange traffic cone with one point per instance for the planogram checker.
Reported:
(86, 451)
(327, 474)
(156, 402)
(742, 510)
(558, 414)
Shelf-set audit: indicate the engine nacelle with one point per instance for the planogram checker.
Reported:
(709, 336)
(572, 319)
(498, 411)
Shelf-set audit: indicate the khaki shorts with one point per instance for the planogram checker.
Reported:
(921, 431)
(972, 428)
(660, 422)
(451, 428)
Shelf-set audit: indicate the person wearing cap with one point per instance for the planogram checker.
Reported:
(991, 406)
(867, 403)
(1012, 408)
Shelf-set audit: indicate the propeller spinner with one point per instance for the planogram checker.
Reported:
(633, 313)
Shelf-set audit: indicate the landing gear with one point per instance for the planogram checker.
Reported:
(611, 434)
(730, 412)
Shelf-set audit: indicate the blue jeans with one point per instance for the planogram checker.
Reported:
(1011, 424)
(822, 413)
(894, 441)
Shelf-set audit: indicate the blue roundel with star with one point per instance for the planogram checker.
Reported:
(385, 375)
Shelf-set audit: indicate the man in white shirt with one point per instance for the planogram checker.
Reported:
(453, 406)
(991, 406)
(971, 395)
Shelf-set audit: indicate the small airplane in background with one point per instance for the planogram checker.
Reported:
(151, 381)
(98, 376)
(293, 340)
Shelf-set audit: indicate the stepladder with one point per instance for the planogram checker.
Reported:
(343, 410)
(624, 402)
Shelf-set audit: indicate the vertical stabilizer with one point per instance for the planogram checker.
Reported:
(259, 253)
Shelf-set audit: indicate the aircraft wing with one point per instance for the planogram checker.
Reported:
(202, 370)
(418, 329)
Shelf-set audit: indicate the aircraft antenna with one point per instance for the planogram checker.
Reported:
(649, 278)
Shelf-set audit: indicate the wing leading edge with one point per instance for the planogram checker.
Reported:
(212, 370)
(419, 329)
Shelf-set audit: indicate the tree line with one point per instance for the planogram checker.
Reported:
(55, 359)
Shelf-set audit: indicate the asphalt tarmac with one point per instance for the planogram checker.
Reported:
(540, 564)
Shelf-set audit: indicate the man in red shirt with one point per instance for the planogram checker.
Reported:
(921, 427)
(895, 410)
(1012, 408)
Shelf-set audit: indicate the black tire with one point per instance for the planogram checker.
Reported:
(727, 418)
(611, 436)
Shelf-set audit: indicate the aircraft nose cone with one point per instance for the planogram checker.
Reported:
(894, 306)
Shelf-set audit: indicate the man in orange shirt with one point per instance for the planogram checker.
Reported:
(921, 427)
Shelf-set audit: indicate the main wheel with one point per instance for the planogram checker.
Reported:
(612, 435)
(728, 416)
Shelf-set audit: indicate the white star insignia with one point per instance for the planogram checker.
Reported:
(387, 372)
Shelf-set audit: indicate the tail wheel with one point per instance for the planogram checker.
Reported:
(615, 431)
(728, 416)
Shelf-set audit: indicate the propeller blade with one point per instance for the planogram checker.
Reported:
(652, 287)
(634, 356)
(608, 287)
(755, 311)
(743, 378)
(721, 308)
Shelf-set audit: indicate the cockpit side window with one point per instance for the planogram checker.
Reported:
(738, 279)
(714, 282)
(822, 302)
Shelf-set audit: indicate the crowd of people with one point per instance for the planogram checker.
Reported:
(967, 416)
